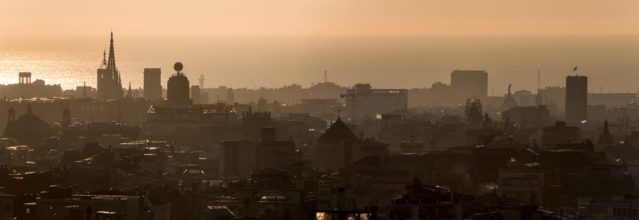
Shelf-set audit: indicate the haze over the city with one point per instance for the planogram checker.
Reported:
(332, 17)
(392, 44)
(325, 109)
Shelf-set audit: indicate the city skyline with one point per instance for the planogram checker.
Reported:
(325, 110)
(414, 62)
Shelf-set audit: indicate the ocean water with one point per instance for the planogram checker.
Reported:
(611, 62)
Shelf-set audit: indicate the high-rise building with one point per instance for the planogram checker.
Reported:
(152, 83)
(576, 99)
(177, 92)
(109, 82)
(470, 83)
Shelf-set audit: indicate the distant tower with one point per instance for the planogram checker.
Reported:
(66, 117)
(538, 100)
(152, 83)
(576, 99)
(606, 137)
(11, 116)
(473, 111)
(130, 92)
(24, 78)
(230, 97)
(84, 89)
(325, 76)
(108, 77)
(177, 92)
(509, 101)
(201, 80)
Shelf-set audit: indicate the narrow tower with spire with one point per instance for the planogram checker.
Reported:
(108, 77)
(606, 138)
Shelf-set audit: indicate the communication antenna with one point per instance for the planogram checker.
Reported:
(325, 76)
(538, 81)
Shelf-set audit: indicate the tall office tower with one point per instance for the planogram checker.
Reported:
(471, 84)
(195, 94)
(177, 88)
(109, 83)
(152, 83)
(576, 99)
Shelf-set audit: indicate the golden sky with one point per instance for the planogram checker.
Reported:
(319, 17)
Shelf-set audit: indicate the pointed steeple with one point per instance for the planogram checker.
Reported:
(104, 59)
(111, 62)
(130, 94)
(606, 138)
(338, 132)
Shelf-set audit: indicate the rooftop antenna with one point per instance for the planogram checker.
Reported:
(201, 79)
(538, 99)
(130, 95)
(538, 81)
(325, 76)
(104, 61)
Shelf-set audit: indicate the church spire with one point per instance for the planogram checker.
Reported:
(111, 62)
(104, 59)
(606, 137)
(130, 94)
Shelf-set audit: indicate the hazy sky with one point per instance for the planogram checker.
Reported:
(323, 17)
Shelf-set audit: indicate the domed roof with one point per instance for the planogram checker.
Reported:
(178, 77)
(27, 128)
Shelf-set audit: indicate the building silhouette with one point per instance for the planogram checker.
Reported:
(606, 138)
(152, 83)
(509, 102)
(25, 88)
(177, 92)
(473, 112)
(362, 101)
(196, 94)
(230, 97)
(576, 99)
(470, 83)
(335, 148)
(28, 128)
(24, 78)
(109, 82)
